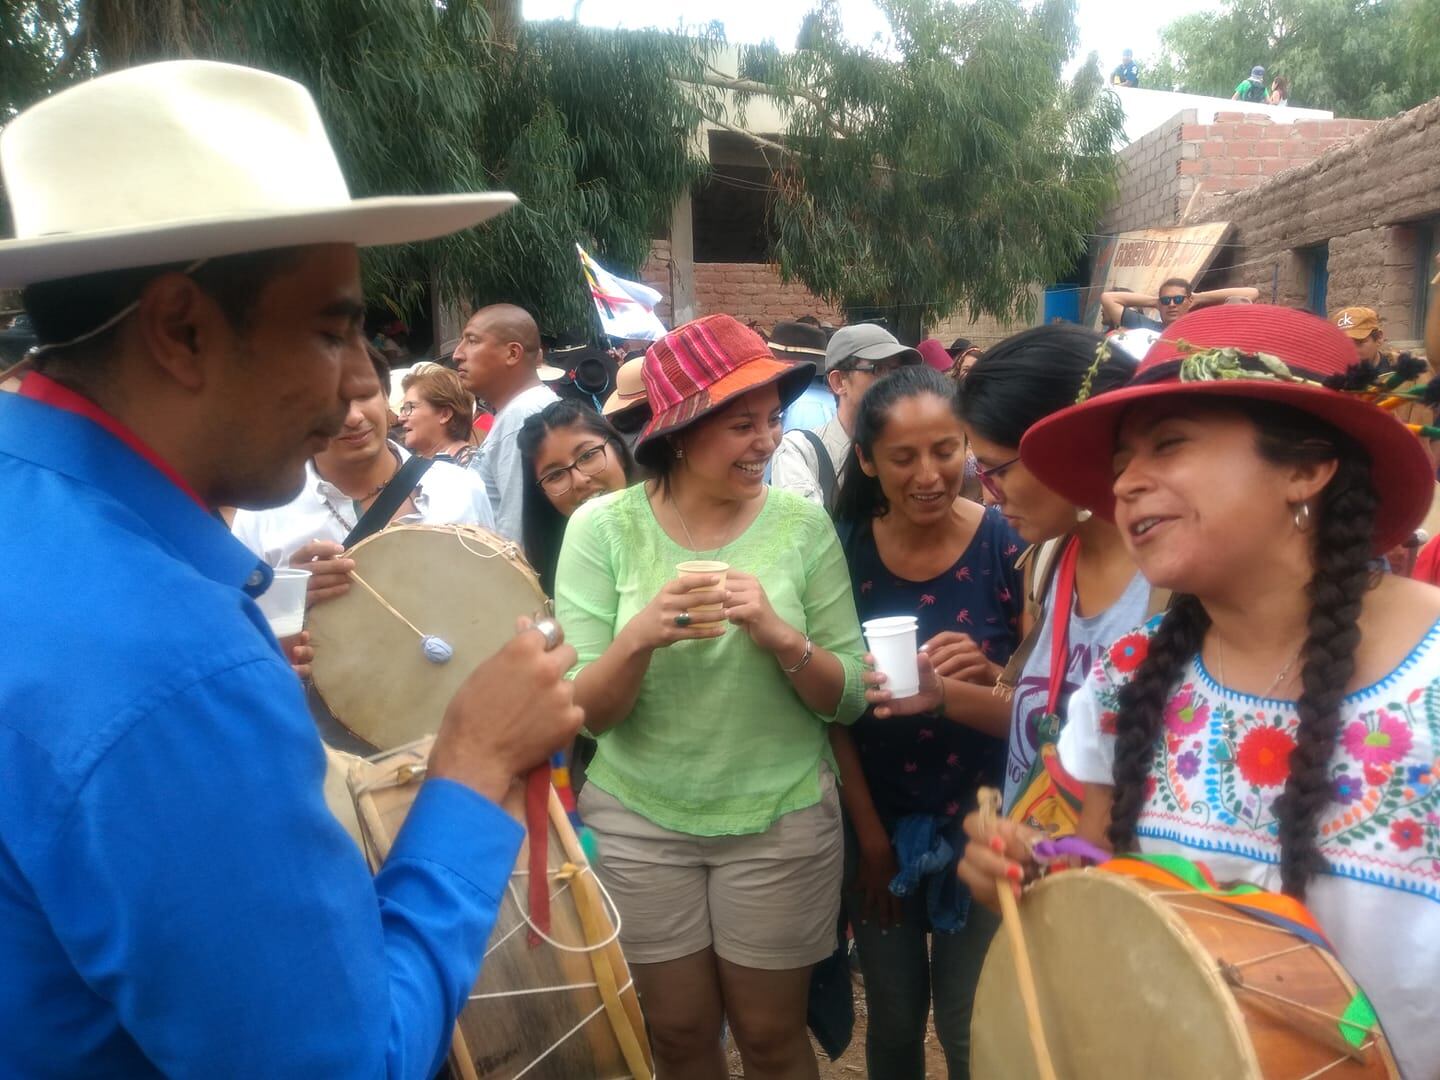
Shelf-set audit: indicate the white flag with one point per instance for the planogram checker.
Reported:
(626, 308)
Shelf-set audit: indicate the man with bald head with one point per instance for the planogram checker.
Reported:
(499, 360)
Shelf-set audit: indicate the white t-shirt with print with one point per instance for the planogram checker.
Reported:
(1223, 762)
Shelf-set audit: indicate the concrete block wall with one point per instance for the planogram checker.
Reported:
(752, 292)
(1151, 181)
(1371, 199)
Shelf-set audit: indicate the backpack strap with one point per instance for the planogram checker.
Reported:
(396, 492)
(824, 468)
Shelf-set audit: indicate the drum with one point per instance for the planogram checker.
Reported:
(1139, 976)
(426, 605)
(564, 1009)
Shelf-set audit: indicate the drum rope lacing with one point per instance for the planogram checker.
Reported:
(436, 649)
(410, 772)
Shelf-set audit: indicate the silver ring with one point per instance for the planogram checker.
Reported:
(683, 619)
(549, 630)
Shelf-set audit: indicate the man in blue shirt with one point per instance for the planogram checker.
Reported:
(175, 898)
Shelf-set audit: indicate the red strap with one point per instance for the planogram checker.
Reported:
(537, 824)
(1060, 623)
(47, 391)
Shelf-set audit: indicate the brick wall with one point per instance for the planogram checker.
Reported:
(749, 291)
(1369, 198)
(1185, 164)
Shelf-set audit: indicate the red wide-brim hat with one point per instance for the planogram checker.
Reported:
(1071, 451)
(704, 365)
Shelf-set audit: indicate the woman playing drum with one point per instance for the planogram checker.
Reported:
(1281, 722)
(711, 794)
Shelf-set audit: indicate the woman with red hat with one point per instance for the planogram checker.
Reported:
(712, 792)
(1281, 722)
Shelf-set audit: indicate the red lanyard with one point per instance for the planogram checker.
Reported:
(1060, 622)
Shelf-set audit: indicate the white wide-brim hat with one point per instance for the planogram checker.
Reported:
(186, 160)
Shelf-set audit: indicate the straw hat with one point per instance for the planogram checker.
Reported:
(1256, 352)
(703, 366)
(629, 388)
(185, 160)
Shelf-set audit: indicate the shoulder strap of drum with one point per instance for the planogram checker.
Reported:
(396, 492)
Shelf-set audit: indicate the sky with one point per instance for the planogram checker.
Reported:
(1100, 21)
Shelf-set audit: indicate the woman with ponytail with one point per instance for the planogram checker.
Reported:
(1281, 722)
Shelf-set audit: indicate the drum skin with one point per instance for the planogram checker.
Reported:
(1130, 986)
(460, 583)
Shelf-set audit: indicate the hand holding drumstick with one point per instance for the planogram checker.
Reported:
(988, 820)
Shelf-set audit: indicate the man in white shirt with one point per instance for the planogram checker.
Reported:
(499, 360)
(855, 357)
(341, 482)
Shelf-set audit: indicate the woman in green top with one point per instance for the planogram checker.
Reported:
(712, 794)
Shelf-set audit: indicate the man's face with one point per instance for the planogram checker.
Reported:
(362, 439)
(1368, 348)
(1174, 302)
(280, 387)
(482, 358)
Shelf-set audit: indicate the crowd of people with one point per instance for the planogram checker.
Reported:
(1157, 598)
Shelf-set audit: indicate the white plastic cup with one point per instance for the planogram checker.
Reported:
(283, 603)
(705, 566)
(892, 641)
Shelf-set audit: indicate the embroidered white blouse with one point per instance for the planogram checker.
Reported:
(1210, 797)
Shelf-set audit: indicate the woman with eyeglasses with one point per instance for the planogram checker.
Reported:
(569, 454)
(1082, 589)
(914, 546)
(438, 415)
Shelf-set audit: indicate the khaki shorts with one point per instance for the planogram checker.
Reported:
(768, 900)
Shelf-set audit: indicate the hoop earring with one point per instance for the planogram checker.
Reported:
(1300, 514)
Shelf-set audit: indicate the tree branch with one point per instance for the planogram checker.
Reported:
(721, 81)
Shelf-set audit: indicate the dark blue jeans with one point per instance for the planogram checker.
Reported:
(906, 967)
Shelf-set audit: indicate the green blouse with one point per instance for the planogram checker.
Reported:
(718, 742)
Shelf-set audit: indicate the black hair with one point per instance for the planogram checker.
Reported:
(861, 497)
(1039, 371)
(542, 527)
(1343, 534)
(67, 308)
(381, 366)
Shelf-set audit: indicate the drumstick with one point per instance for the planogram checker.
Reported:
(1010, 914)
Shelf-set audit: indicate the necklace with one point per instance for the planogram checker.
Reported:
(689, 537)
(357, 505)
(1279, 680)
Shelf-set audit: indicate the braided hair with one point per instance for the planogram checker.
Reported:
(1344, 530)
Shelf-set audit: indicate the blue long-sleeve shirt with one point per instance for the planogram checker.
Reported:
(175, 897)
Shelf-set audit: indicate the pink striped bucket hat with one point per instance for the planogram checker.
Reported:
(703, 366)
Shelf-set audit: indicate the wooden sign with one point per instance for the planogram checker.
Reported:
(1139, 261)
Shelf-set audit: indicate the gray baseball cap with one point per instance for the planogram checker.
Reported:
(866, 341)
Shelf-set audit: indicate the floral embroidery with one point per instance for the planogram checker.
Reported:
(1185, 714)
(1129, 652)
(1407, 834)
(1386, 740)
(1224, 758)
(1264, 757)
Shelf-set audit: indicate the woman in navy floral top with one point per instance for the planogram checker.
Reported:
(916, 548)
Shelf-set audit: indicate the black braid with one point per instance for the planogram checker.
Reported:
(1344, 531)
(1142, 710)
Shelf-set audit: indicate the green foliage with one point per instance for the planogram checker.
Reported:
(1364, 58)
(588, 127)
(954, 171)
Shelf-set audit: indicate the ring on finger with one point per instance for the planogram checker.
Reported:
(683, 619)
(549, 630)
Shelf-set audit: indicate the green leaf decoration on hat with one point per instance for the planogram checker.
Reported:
(1217, 365)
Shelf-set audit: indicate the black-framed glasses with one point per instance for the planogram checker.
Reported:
(987, 477)
(1166, 300)
(878, 368)
(591, 462)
